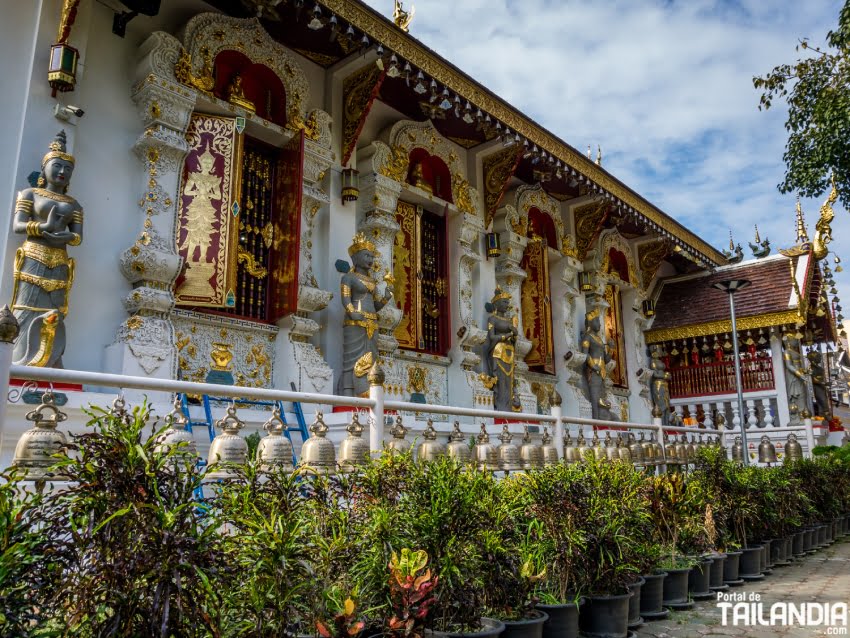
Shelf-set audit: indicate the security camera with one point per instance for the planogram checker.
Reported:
(64, 112)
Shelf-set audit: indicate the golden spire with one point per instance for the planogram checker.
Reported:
(401, 17)
(731, 242)
(802, 233)
(599, 155)
(823, 227)
(758, 239)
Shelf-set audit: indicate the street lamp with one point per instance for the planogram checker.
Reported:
(731, 286)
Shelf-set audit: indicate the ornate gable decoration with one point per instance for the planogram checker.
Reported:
(612, 239)
(393, 161)
(650, 256)
(588, 222)
(208, 34)
(528, 197)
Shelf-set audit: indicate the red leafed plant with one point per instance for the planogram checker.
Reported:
(344, 623)
(411, 585)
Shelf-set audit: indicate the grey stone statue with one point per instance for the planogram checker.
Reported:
(598, 351)
(795, 381)
(500, 352)
(660, 388)
(50, 219)
(361, 300)
(820, 384)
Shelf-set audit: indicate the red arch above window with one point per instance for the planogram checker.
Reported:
(618, 264)
(259, 83)
(540, 224)
(434, 171)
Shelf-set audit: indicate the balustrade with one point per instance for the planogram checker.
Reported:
(719, 378)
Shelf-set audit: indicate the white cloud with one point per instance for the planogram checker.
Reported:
(664, 86)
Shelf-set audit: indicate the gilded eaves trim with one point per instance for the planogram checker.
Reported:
(384, 31)
(722, 325)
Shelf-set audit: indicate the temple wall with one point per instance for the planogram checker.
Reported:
(109, 180)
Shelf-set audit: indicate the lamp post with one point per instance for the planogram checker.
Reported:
(731, 286)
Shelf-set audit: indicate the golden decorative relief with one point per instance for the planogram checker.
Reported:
(321, 59)
(460, 191)
(519, 225)
(396, 168)
(416, 376)
(488, 381)
(568, 247)
(588, 222)
(221, 356)
(358, 93)
(650, 256)
(498, 169)
(184, 73)
(251, 265)
(419, 56)
(660, 335)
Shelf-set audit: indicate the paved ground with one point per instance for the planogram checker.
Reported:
(823, 577)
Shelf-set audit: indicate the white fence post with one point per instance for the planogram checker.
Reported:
(376, 425)
(8, 334)
(559, 424)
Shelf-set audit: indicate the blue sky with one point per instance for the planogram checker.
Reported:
(665, 87)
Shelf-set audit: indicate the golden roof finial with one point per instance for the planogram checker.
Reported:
(823, 226)
(802, 233)
(731, 242)
(758, 239)
(401, 17)
(599, 155)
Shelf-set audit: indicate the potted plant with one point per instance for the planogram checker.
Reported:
(411, 592)
(555, 501)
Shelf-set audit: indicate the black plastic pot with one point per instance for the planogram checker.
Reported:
(730, 569)
(699, 578)
(635, 620)
(562, 621)
(490, 628)
(750, 568)
(605, 617)
(652, 597)
(822, 540)
(527, 628)
(676, 586)
(715, 582)
(763, 557)
(798, 543)
(777, 548)
(809, 536)
(767, 563)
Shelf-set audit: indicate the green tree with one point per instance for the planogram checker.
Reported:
(817, 90)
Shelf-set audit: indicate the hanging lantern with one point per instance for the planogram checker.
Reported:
(458, 449)
(350, 185)
(62, 71)
(34, 453)
(274, 452)
(648, 306)
(585, 281)
(354, 450)
(486, 454)
(227, 447)
(494, 245)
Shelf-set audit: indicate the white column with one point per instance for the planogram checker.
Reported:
(752, 415)
(783, 415)
(8, 334)
(376, 420)
(768, 413)
(810, 434)
(708, 421)
(559, 424)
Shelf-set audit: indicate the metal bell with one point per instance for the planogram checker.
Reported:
(793, 449)
(598, 450)
(176, 433)
(509, 460)
(399, 443)
(738, 450)
(37, 446)
(623, 452)
(530, 454)
(649, 457)
(458, 448)
(570, 450)
(670, 453)
(636, 449)
(430, 448)
(227, 447)
(690, 449)
(354, 450)
(550, 452)
(583, 449)
(486, 454)
(681, 449)
(274, 452)
(611, 452)
(767, 450)
(317, 453)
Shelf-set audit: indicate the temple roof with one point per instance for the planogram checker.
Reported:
(690, 306)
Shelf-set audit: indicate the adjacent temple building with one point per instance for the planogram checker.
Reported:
(287, 192)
